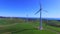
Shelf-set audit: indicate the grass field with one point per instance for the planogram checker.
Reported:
(18, 27)
(23, 28)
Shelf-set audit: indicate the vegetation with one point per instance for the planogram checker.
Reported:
(20, 26)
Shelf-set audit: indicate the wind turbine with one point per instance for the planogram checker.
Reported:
(27, 18)
(40, 10)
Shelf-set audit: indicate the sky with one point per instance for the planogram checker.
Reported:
(22, 8)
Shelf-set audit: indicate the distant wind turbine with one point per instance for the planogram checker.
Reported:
(27, 18)
(40, 10)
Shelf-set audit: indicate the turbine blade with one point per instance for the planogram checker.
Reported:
(39, 9)
(37, 12)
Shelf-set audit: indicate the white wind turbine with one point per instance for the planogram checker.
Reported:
(40, 10)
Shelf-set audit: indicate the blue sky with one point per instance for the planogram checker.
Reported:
(20, 8)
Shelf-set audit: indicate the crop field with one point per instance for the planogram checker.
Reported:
(20, 26)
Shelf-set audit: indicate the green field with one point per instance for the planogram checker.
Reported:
(17, 26)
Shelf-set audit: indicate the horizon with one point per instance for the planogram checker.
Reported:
(26, 17)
